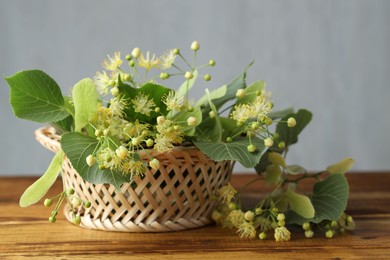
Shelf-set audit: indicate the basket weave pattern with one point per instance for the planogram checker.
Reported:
(178, 196)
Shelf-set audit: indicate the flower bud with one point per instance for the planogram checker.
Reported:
(212, 114)
(195, 46)
(251, 148)
(188, 75)
(136, 52)
(91, 160)
(115, 91)
(122, 152)
(282, 145)
(76, 220)
(154, 164)
(309, 233)
(160, 120)
(87, 204)
(164, 75)
(249, 215)
(135, 141)
(207, 77)
(191, 121)
(176, 51)
(212, 63)
(268, 142)
(229, 139)
(281, 217)
(263, 235)
(240, 93)
(291, 122)
(47, 203)
(157, 109)
(128, 57)
(149, 142)
(76, 202)
(52, 219)
(131, 63)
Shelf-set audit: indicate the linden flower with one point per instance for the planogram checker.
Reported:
(163, 143)
(117, 105)
(142, 104)
(236, 217)
(167, 60)
(242, 113)
(261, 107)
(113, 63)
(102, 81)
(282, 234)
(246, 230)
(148, 62)
(227, 193)
(134, 168)
(173, 102)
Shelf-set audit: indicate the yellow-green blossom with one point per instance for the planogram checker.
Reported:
(227, 193)
(142, 104)
(167, 60)
(282, 234)
(246, 230)
(117, 105)
(236, 217)
(113, 63)
(102, 81)
(242, 112)
(173, 101)
(148, 62)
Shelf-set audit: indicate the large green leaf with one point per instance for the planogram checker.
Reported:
(290, 134)
(85, 100)
(329, 199)
(234, 151)
(77, 147)
(40, 187)
(36, 96)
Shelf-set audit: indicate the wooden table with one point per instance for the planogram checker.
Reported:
(26, 234)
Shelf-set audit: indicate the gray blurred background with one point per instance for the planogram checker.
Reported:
(331, 57)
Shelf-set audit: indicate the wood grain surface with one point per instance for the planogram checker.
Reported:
(26, 234)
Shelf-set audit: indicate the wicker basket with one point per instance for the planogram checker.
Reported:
(178, 196)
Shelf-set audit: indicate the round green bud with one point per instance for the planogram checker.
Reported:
(349, 219)
(333, 223)
(263, 235)
(309, 233)
(249, 215)
(268, 121)
(281, 217)
(176, 51)
(291, 122)
(329, 234)
(207, 77)
(149, 142)
(268, 142)
(164, 75)
(135, 141)
(114, 91)
(232, 206)
(258, 211)
(195, 46)
(282, 145)
(70, 191)
(276, 136)
(229, 139)
(52, 219)
(255, 125)
(188, 75)
(251, 148)
(212, 63)
(281, 223)
(212, 114)
(111, 82)
(126, 77)
(76, 220)
(131, 63)
(48, 203)
(106, 132)
(157, 109)
(87, 204)
(128, 57)
(190, 108)
(76, 202)
(306, 226)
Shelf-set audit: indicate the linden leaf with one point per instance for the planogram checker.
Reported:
(300, 204)
(39, 188)
(342, 166)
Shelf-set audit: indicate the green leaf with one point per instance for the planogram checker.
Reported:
(329, 199)
(273, 173)
(341, 167)
(35, 96)
(187, 85)
(295, 169)
(40, 187)
(77, 147)
(290, 135)
(215, 94)
(300, 204)
(85, 99)
(280, 113)
(234, 151)
(276, 158)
